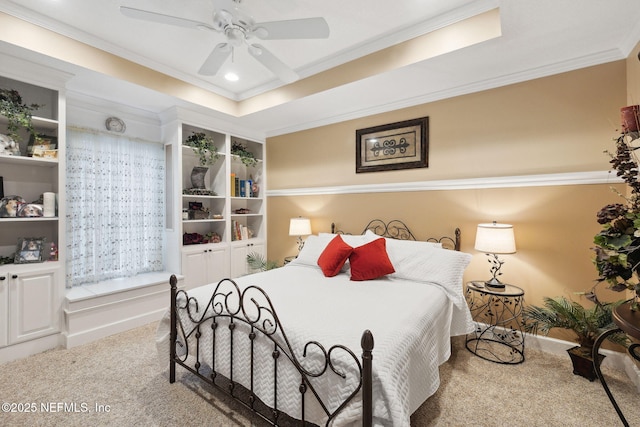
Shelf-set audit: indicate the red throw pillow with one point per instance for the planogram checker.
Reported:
(370, 261)
(334, 256)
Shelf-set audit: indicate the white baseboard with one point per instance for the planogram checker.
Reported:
(28, 348)
(86, 336)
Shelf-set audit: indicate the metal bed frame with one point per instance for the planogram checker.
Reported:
(249, 314)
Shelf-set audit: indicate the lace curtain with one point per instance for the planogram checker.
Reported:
(115, 206)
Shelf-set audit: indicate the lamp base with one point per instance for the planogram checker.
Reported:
(494, 283)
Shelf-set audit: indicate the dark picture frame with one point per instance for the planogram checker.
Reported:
(29, 249)
(400, 145)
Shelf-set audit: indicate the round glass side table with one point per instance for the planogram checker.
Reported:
(497, 312)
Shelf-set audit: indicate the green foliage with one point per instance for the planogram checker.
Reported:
(247, 157)
(17, 113)
(7, 259)
(586, 323)
(257, 262)
(204, 147)
(617, 250)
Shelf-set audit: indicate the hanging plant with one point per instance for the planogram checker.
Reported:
(204, 147)
(246, 157)
(17, 113)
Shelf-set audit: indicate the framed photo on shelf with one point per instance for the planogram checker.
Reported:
(42, 144)
(29, 249)
(401, 145)
(45, 154)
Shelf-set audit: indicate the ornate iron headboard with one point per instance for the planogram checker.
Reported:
(396, 229)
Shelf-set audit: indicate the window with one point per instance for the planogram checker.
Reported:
(115, 206)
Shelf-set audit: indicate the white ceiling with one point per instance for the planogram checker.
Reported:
(539, 38)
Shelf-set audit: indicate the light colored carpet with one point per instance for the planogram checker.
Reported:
(122, 372)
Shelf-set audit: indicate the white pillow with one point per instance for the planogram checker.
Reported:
(312, 249)
(433, 265)
(353, 240)
(315, 245)
(398, 250)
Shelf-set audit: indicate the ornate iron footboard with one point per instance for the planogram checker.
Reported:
(231, 307)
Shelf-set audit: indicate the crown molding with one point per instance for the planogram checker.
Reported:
(493, 83)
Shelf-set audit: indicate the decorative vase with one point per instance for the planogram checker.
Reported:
(629, 118)
(197, 176)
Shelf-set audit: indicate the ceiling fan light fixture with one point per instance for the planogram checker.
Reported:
(238, 28)
(235, 35)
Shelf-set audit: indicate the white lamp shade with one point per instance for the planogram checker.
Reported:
(495, 239)
(299, 227)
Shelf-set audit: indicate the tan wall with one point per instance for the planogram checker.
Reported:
(633, 76)
(557, 124)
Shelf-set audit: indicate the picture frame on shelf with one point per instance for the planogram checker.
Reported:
(41, 144)
(395, 146)
(29, 250)
(45, 153)
(10, 205)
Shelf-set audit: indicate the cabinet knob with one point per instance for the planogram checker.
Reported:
(14, 276)
(2, 277)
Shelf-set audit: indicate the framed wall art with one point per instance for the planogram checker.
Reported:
(401, 145)
(29, 249)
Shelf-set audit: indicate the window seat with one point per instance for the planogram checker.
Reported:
(98, 310)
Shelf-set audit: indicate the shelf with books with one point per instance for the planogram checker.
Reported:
(224, 200)
(245, 227)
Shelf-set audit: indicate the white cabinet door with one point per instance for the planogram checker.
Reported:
(203, 264)
(34, 305)
(239, 252)
(194, 267)
(217, 264)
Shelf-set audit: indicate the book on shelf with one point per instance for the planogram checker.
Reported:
(233, 184)
(240, 231)
(241, 187)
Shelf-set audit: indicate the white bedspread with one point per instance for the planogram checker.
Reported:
(411, 322)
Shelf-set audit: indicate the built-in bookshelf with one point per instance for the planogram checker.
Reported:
(220, 213)
(32, 240)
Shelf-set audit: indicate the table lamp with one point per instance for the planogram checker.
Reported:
(299, 227)
(494, 239)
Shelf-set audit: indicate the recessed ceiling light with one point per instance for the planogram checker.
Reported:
(232, 77)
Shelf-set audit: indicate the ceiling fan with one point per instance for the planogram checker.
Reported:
(239, 28)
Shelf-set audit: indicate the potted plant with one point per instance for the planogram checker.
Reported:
(257, 262)
(204, 147)
(17, 113)
(246, 157)
(617, 250)
(586, 323)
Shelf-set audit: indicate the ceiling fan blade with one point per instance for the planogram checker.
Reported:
(306, 28)
(215, 59)
(277, 67)
(146, 15)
